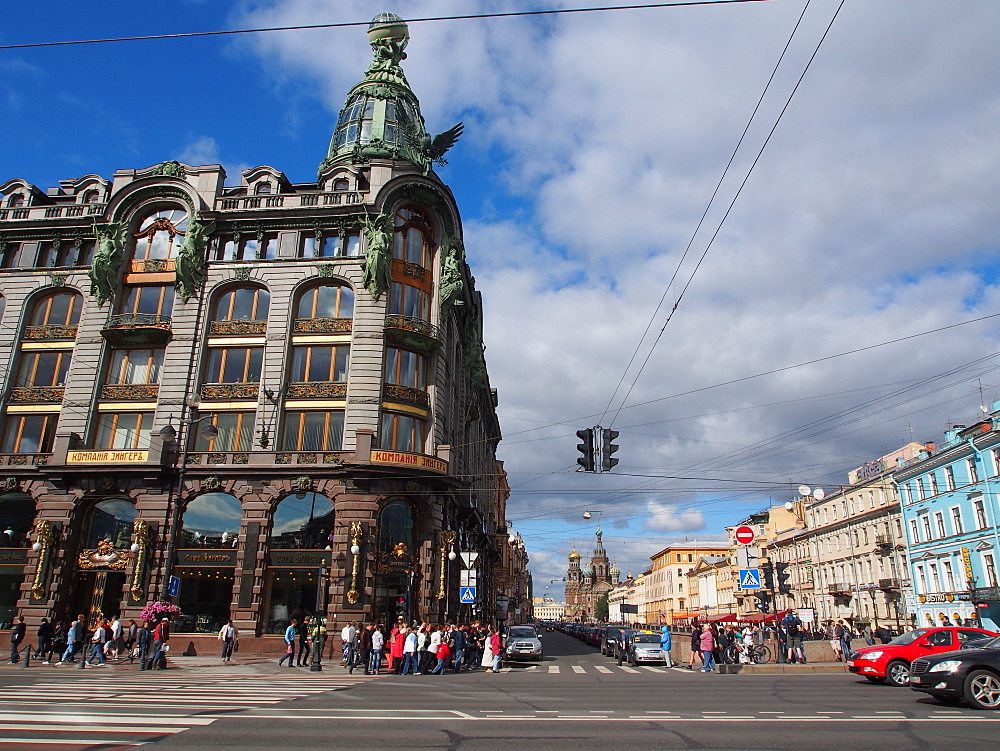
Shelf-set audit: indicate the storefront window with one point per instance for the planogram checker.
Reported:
(206, 561)
(17, 515)
(302, 520)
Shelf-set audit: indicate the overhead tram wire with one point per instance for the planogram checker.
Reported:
(732, 203)
(348, 24)
(701, 219)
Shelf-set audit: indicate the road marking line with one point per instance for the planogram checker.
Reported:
(70, 742)
(553, 668)
(651, 668)
(578, 669)
(627, 670)
(85, 719)
(602, 669)
(110, 728)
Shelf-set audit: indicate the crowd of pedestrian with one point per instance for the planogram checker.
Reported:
(108, 641)
(420, 648)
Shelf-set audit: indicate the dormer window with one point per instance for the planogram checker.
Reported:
(16, 200)
(263, 189)
(341, 185)
(91, 196)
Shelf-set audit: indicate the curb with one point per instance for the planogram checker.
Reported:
(782, 669)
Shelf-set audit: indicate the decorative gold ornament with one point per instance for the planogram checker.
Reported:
(448, 537)
(355, 533)
(105, 556)
(45, 535)
(400, 550)
(141, 530)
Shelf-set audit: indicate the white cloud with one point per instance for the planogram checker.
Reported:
(667, 518)
(871, 216)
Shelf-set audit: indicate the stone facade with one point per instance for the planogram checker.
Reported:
(329, 332)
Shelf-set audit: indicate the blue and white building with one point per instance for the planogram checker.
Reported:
(948, 498)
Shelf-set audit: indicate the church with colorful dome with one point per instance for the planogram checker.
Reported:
(586, 584)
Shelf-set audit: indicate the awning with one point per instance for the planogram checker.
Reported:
(726, 618)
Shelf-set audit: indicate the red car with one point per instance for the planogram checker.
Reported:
(892, 661)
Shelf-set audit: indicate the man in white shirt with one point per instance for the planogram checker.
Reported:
(116, 638)
(349, 635)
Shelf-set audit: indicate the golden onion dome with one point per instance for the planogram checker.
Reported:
(574, 556)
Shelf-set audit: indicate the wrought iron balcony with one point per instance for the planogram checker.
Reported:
(838, 589)
(230, 391)
(322, 326)
(37, 394)
(137, 330)
(883, 542)
(888, 584)
(237, 328)
(49, 333)
(130, 392)
(317, 390)
(413, 332)
(24, 460)
(396, 393)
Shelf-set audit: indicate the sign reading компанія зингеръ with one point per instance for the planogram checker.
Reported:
(110, 455)
(400, 459)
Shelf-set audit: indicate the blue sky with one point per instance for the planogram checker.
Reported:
(593, 143)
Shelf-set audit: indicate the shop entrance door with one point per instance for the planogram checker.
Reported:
(392, 598)
(99, 594)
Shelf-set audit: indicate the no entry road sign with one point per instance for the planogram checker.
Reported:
(744, 535)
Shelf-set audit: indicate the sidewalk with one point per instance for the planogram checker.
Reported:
(798, 668)
(178, 666)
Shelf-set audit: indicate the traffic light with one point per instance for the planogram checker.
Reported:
(607, 449)
(763, 606)
(586, 448)
(401, 607)
(782, 574)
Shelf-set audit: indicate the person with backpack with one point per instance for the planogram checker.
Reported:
(793, 636)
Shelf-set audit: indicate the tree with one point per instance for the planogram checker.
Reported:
(601, 609)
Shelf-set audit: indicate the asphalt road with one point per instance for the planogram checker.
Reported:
(575, 697)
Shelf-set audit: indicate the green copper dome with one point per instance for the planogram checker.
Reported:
(381, 117)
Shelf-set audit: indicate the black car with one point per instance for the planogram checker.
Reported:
(610, 639)
(972, 675)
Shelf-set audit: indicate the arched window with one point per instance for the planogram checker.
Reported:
(395, 527)
(91, 196)
(262, 189)
(242, 304)
(16, 201)
(326, 301)
(211, 520)
(111, 520)
(57, 309)
(302, 520)
(160, 235)
(412, 240)
(341, 185)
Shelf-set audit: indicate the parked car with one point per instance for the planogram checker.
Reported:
(972, 675)
(523, 643)
(891, 662)
(643, 646)
(610, 638)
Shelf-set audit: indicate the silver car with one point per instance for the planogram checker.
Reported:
(523, 643)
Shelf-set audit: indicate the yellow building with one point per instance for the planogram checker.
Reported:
(668, 595)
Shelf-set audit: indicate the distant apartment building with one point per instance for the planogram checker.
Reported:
(668, 586)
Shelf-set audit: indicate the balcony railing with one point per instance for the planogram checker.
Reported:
(137, 329)
(130, 392)
(37, 394)
(414, 332)
(322, 326)
(396, 393)
(230, 391)
(883, 541)
(237, 328)
(889, 584)
(317, 390)
(50, 332)
(838, 589)
(152, 265)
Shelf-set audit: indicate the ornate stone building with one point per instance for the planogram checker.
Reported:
(274, 391)
(586, 585)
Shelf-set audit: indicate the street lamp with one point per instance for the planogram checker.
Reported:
(169, 434)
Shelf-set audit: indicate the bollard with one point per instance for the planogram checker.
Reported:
(83, 659)
(27, 657)
(142, 660)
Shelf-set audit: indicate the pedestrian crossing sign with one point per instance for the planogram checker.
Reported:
(467, 595)
(749, 578)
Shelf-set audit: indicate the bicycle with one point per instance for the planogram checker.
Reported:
(756, 654)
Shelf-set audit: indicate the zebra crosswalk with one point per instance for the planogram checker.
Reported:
(87, 712)
(556, 669)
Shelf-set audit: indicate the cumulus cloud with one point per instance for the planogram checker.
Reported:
(666, 518)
